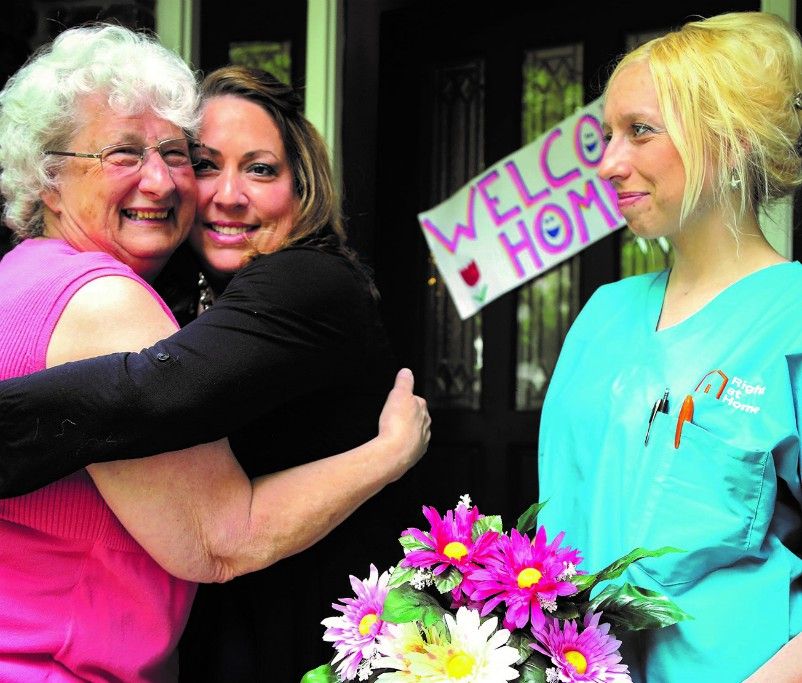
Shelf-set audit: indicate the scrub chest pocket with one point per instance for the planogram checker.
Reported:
(702, 497)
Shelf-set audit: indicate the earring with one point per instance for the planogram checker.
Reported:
(735, 180)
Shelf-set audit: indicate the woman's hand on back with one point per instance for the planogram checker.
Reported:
(405, 423)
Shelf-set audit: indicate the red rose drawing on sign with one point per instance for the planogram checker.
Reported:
(470, 274)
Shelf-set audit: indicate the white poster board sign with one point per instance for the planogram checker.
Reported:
(524, 215)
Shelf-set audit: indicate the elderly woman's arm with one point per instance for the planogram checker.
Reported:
(195, 511)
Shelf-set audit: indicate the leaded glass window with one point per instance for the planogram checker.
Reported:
(268, 56)
(552, 90)
(453, 346)
(639, 255)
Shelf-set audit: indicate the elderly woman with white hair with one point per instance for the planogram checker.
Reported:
(97, 570)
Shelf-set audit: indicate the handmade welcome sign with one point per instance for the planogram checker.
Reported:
(524, 215)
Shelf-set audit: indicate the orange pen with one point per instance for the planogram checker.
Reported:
(685, 415)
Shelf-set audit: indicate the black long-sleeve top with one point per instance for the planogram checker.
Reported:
(293, 349)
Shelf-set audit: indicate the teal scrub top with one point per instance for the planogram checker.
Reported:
(729, 494)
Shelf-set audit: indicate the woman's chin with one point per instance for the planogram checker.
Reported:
(223, 267)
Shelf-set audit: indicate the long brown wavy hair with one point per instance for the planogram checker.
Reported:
(306, 151)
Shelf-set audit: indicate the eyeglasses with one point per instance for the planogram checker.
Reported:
(129, 157)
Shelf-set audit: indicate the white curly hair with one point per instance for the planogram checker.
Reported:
(40, 106)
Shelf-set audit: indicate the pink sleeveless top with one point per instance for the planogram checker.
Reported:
(80, 599)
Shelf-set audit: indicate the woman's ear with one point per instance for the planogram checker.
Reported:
(51, 198)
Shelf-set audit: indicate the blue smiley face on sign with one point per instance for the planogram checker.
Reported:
(553, 229)
(589, 140)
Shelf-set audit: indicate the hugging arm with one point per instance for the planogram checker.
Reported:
(285, 326)
(195, 511)
(201, 519)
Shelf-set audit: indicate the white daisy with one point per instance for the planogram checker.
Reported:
(473, 652)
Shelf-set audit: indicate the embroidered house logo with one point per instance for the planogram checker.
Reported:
(714, 375)
(739, 394)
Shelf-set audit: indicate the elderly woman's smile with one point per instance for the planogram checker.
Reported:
(139, 214)
(147, 214)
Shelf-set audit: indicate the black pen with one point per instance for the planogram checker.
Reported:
(660, 406)
(663, 403)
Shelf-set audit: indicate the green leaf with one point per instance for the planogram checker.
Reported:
(479, 298)
(406, 604)
(613, 570)
(583, 581)
(401, 575)
(520, 641)
(323, 674)
(566, 610)
(528, 520)
(488, 523)
(448, 580)
(635, 608)
(533, 669)
(410, 543)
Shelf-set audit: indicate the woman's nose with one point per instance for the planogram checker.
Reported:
(228, 190)
(614, 163)
(155, 177)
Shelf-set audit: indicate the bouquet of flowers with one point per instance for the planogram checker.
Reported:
(435, 616)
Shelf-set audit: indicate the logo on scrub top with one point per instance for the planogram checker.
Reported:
(738, 390)
(714, 376)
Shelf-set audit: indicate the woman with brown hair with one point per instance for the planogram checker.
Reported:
(264, 187)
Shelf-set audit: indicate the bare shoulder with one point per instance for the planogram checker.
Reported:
(108, 314)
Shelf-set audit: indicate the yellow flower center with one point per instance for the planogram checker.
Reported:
(528, 577)
(366, 622)
(455, 550)
(576, 660)
(459, 665)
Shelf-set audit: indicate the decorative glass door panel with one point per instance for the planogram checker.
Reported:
(552, 90)
(454, 347)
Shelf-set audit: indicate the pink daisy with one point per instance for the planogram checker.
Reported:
(450, 543)
(527, 576)
(354, 633)
(589, 656)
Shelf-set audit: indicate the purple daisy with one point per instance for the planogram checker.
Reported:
(527, 576)
(354, 633)
(589, 656)
(450, 543)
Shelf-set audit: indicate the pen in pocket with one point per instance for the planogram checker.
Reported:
(685, 415)
(660, 406)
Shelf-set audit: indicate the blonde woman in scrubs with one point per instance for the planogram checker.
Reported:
(703, 129)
